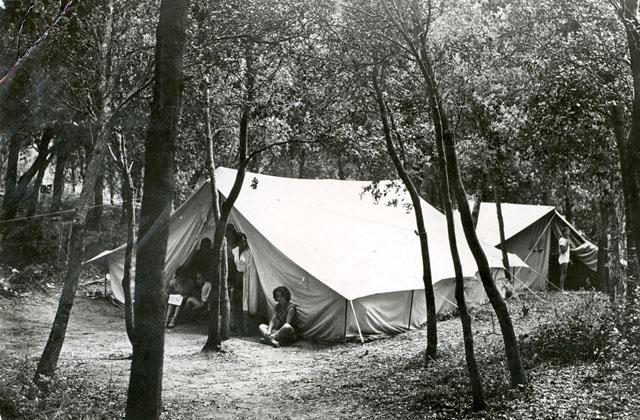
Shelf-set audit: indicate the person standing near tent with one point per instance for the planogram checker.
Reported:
(244, 263)
(280, 330)
(564, 248)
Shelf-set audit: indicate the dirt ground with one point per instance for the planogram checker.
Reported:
(304, 381)
(243, 382)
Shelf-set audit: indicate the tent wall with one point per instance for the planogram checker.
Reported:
(533, 245)
(185, 228)
(320, 310)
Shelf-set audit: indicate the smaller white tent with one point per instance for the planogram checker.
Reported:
(532, 232)
(353, 265)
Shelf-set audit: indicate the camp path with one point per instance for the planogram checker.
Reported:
(249, 380)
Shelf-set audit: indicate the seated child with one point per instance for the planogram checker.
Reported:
(280, 330)
(178, 289)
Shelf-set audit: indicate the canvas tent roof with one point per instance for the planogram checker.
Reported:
(329, 242)
(518, 217)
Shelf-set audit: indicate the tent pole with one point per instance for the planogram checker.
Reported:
(410, 309)
(357, 323)
(346, 309)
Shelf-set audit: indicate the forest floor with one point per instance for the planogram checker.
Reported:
(384, 378)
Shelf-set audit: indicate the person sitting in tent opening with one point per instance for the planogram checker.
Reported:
(181, 287)
(564, 246)
(202, 267)
(280, 330)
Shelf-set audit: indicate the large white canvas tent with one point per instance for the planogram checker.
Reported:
(532, 232)
(353, 266)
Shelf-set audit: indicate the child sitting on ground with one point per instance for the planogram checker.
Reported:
(178, 290)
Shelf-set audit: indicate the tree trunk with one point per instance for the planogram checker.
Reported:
(503, 245)
(225, 305)
(475, 378)
(150, 303)
(444, 135)
(58, 179)
(603, 244)
(34, 197)
(94, 219)
(12, 201)
(432, 332)
(130, 215)
(629, 190)
(475, 213)
(301, 163)
(214, 339)
(11, 176)
(49, 359)
(630, 151)
(341, 173)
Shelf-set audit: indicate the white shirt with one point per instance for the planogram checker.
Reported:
(564, 257)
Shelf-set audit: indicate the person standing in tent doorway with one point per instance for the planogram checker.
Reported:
(280, 330)
(244, 263)
(564, 248)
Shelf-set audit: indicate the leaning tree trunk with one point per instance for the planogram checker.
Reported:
(475, 378)
(51, 353)
(432, 332)
(49, 359)
(150, 304)
(444, 135)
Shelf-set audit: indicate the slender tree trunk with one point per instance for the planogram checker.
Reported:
(12, 201)
(225, 305)
(214, 339)
(129, 210)
(94, 219)
(150, 304)
(34, 197)
(444, 135)
(341, 173)
(568, 207)
(603, 244)
(629, 190)
(630, 151)
(11, 176)
(475, 378)
(432, 332)
(301, 163)
(503, 245)
(49, 359)
(475, 213)
(58, 179)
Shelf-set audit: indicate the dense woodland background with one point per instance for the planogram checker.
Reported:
(541, 98)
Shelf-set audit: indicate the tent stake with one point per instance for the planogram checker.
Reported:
(357, 323)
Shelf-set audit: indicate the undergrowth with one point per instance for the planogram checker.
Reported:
(67, 395)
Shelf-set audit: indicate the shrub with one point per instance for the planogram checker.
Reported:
(67, 395)
(581, 332)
